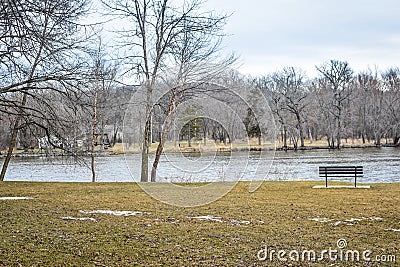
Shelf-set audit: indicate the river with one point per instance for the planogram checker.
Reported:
(380, 165)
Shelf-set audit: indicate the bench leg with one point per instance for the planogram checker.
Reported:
(355, 180)
(326, 180)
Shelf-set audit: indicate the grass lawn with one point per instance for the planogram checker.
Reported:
(279, 216)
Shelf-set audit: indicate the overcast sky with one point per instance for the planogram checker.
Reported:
(271, 34)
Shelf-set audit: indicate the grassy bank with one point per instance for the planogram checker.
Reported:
(278, 216)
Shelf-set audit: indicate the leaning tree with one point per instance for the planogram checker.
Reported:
(41, 44)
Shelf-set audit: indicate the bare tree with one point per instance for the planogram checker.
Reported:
(338, 75)
(391, 80)
(290, 84)
(102, 80)
(369, 107)
(195, 55)
(157, 26)
(39, 50)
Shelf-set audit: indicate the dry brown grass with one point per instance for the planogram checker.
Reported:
(278, 214)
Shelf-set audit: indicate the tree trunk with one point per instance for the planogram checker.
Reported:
(145, 154)
(331, 141)
(299, 126)
(339, 125)
(378, 140)
(13, 140)
(144, 176)
(224, 137)
(10, 150)
(157, 160)
(189, 137)
(204, 133)
(396, 140)
(285, 138)
(94, 126)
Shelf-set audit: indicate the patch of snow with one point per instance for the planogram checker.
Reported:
(348, 222)
(220, 220)
(236, 222)
(355, 220)
(15, 198)
(78, 219)
(323, 220)
(376, 219)
(208, 218)
(345, 222)
(394, 230)
(112, 212)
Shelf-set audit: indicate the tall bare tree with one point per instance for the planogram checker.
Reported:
(338, 75)
(156, 26)
(193, 50)
(102, 81)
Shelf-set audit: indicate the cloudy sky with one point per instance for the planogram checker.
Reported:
(271, 34)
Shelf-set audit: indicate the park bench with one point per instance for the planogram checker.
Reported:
(341, 172)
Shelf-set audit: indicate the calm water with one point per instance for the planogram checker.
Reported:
(380, 165)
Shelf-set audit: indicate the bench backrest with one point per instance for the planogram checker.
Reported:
(341, 171)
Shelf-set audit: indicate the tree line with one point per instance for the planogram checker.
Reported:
(338, 105)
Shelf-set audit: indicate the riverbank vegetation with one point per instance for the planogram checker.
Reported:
(198, 146)
(69, 224)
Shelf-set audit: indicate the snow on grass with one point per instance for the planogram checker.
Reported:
(207, 218)
(348, 222)
(219, 219)
(113, 212)
(236, 222)
(15, 198)
(322, 220)
(394, 230)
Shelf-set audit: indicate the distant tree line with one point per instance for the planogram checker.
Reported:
(338, 105)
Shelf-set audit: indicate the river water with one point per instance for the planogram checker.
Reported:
(380, 165)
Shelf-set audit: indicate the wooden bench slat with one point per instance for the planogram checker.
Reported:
(339, 173)
(341, 167)
(344, 169)
(340, 170)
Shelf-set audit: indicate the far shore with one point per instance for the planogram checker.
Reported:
(196, 148)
